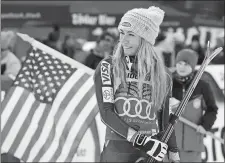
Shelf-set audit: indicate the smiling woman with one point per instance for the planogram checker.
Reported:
(133, 88)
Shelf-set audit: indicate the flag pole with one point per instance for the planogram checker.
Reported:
(194, 126)
(54, 52)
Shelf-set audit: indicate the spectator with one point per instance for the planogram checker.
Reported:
(53, 39)
(10, 64)
(190, 141)
(165, 47)
(179, 40)
(68, 46)
(196, 46)
(80, 54)
(219, 59)
(103, 48)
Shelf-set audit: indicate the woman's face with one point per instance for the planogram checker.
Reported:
(130, 42)
(183, 69)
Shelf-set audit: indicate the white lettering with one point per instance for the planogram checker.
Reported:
(105, 73)
(80, 19)
(21, 15)
(106, 20)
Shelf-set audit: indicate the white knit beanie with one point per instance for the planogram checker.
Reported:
(143, 22)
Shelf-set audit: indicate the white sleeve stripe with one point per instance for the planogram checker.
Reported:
(151, 152)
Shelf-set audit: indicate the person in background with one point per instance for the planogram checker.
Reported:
(103, 48)
(165, 46)
(196, 46)
(133, 88)
(80, 54)
(201, 108)
(53, 39)
(179, 41)
(10, 64)
(68, 46)
(219, 59)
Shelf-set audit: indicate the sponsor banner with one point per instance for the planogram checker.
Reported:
(34, 15)
(112, 20)
(86, 19)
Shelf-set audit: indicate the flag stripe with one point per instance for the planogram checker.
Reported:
(7, 98)
(81, 133)
(59, 117)
(70, 122)
(69, 97)
(13, 112)
(18, 120)
(24, 127)
(94, 130)
(10, 106)
(33, 125)
(37, 133)
(49, 121)
(73, 105)
(82, 117)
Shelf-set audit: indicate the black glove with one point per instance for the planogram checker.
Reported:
(151, 146)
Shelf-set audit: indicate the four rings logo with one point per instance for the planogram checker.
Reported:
(132, 107)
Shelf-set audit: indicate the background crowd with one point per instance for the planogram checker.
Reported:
(91, 53)
(88, 52)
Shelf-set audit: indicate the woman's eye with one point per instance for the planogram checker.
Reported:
(130, 34)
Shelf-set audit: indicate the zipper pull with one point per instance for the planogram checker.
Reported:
(183, 92)
(129, 64)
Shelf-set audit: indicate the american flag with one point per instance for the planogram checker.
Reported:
(47, 110)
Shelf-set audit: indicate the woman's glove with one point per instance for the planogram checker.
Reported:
(151, 146)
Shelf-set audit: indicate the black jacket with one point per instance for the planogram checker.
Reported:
(93, 60)
(202, 88)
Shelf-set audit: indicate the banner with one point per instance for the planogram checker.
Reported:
(34, 15)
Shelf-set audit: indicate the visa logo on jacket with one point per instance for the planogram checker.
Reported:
(105, 73)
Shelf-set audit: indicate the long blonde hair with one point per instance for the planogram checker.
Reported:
(148, 63)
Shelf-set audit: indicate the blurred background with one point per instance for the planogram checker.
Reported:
(80, 28)
(61, 23)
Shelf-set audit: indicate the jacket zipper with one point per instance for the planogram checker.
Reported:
(183, 93)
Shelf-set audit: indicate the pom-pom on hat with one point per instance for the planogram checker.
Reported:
(143, 22)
